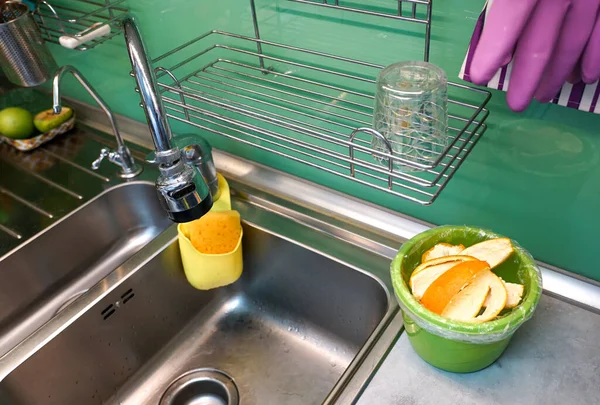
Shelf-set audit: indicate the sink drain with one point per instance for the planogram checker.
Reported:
(205, 386)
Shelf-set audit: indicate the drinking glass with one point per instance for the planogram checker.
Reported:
(411, 112)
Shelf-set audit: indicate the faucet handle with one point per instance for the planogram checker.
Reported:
(104, 153)
(122, 158)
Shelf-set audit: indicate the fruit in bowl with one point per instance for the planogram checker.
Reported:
(23, 131)
(463, 291)
(458, 283)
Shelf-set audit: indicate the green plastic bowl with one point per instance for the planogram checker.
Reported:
(460, 346)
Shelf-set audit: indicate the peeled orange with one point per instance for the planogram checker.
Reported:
(426, 273)
(493, 251)
(468, 302)
(496, 300)
(515, 293)
(441, 291)
(441, 250)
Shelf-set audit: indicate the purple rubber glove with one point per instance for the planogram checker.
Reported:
(575, 76)
(576, 30)
(533, 52)
(503, 26)
(590, 62)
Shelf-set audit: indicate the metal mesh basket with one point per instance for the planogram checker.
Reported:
(24, 57)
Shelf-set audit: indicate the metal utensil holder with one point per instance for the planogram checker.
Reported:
(24, 57)
(263, 94)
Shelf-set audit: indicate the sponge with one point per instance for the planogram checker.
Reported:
(215, 232)
(211, 247)
(215, 258)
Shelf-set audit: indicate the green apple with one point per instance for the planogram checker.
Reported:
(16, 123)
(47, 119)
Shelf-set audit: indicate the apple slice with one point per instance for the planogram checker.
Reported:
(441, 250)
(468, 302)
(427, 273)
(446, 286)
(515, 293)
(493, 251)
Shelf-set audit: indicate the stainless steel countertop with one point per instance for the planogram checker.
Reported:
(553, 359)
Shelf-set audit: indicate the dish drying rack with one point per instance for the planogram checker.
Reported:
(77, 18)
(308, 106)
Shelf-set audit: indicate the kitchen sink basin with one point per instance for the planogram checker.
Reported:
(53, 268)
(285, 333)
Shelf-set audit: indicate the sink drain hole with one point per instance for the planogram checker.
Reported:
(205, 386)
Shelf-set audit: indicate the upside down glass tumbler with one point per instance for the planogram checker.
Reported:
(411, 112)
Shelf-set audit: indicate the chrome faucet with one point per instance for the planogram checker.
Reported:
(121, 157)
(182, 190)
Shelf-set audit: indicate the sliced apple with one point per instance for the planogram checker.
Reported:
(445, 287)
(427, 273)
(515, 293)
(441, 250)
(493, 251)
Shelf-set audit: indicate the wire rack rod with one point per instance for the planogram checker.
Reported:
(58, 20)
(397, 15)
(306, 112)
(418, 12)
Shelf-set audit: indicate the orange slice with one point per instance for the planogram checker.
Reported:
(446, 286)
(441, 250)
(493, 251)
(428, 272)
(514, 292)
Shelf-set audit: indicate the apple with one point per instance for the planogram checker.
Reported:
(16, 123)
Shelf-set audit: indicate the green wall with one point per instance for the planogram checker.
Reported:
(534, 176)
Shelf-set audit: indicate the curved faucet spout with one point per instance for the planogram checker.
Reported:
(181, 189)
(146, 80)
(121, 157)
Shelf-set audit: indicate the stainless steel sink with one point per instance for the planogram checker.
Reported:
(65, 260)
(285, 333)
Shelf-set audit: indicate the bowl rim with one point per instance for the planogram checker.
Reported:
(515, 318)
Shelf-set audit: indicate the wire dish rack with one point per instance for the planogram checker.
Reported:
(307, 106)
(75, 18)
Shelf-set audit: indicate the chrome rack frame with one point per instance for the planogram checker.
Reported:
(77, 19)
(415, 11)
(307, 106)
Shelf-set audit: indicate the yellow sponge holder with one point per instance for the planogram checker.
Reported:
(208, 271)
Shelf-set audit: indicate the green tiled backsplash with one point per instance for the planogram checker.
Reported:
(533, 176)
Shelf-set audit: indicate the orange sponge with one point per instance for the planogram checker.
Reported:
(215, 232)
